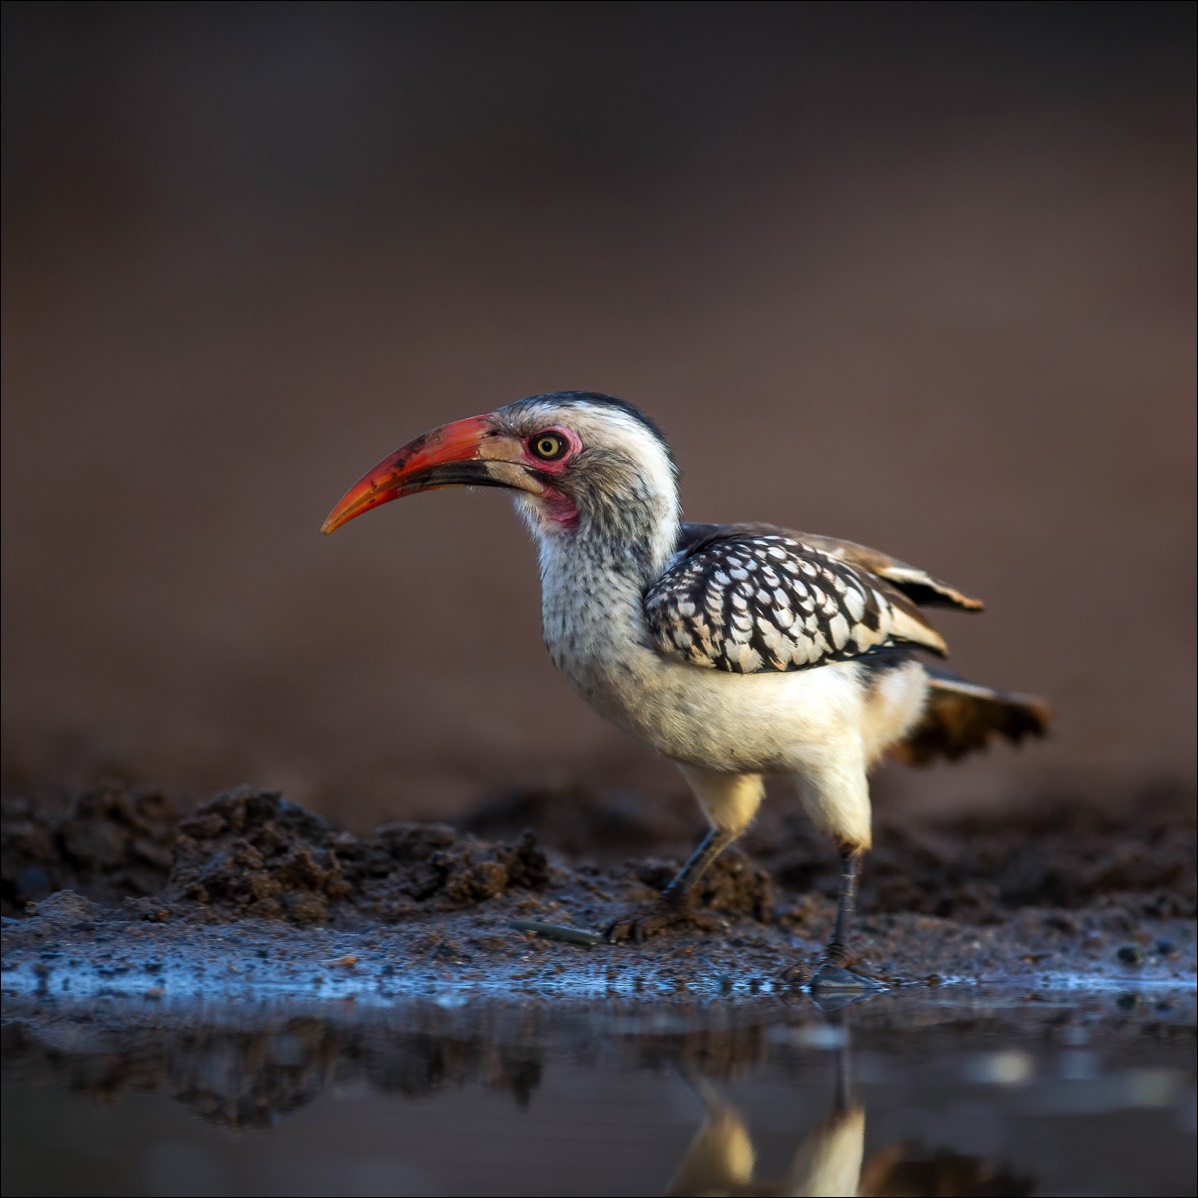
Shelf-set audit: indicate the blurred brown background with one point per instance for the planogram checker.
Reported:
(919, 275)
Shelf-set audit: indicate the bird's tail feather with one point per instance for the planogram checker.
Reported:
(962, 717)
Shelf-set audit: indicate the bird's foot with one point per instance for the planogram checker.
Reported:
(660, 915)
(829, 977)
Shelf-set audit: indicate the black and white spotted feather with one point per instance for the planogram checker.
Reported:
(752, 602)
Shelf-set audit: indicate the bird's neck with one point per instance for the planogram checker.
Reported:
(626, 546)
(593, 581)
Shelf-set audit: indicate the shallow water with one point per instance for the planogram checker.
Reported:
(957, 1091)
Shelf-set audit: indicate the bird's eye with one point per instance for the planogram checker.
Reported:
(548, 446)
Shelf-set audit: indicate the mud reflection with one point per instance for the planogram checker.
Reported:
(243, 1077)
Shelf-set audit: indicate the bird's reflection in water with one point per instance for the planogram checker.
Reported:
(830, 1159)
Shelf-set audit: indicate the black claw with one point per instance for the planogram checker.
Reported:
(661, 915)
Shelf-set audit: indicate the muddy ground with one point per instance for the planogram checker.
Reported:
(117, 889)
(245, 956)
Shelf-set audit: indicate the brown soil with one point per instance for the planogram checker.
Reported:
(1055, 888)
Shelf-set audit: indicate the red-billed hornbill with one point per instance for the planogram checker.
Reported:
(736, 650)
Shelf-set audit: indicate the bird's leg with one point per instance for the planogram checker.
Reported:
(832, 971)
(834, 791)
(673, 905)
(710, 847)
(730, 802)
(837, 953)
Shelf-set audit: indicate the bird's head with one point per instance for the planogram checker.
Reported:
(575, 462)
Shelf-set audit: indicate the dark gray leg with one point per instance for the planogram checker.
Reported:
(710, 847)
(673, 906)
(837, 952)
(831, 973)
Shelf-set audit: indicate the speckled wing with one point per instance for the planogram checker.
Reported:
(922, 588)
(749, 603)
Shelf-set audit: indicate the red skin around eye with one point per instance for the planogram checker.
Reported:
(558, 465)
(560, 508)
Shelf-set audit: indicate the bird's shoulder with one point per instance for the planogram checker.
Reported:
(754, 598)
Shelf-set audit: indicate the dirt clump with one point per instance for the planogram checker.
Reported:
(435, 866)
(109, 842)
(256, 853)
(246, 853)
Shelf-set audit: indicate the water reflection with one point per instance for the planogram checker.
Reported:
(243, 1072)
(830, 1159)
(876, 1099)
(722, 1160)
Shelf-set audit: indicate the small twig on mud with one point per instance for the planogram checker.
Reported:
(555, 931)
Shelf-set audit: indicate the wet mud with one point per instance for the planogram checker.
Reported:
(121, 889)
(255, 965)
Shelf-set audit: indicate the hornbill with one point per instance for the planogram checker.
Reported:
(736, 650)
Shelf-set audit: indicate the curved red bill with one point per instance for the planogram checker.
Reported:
(448, 456)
